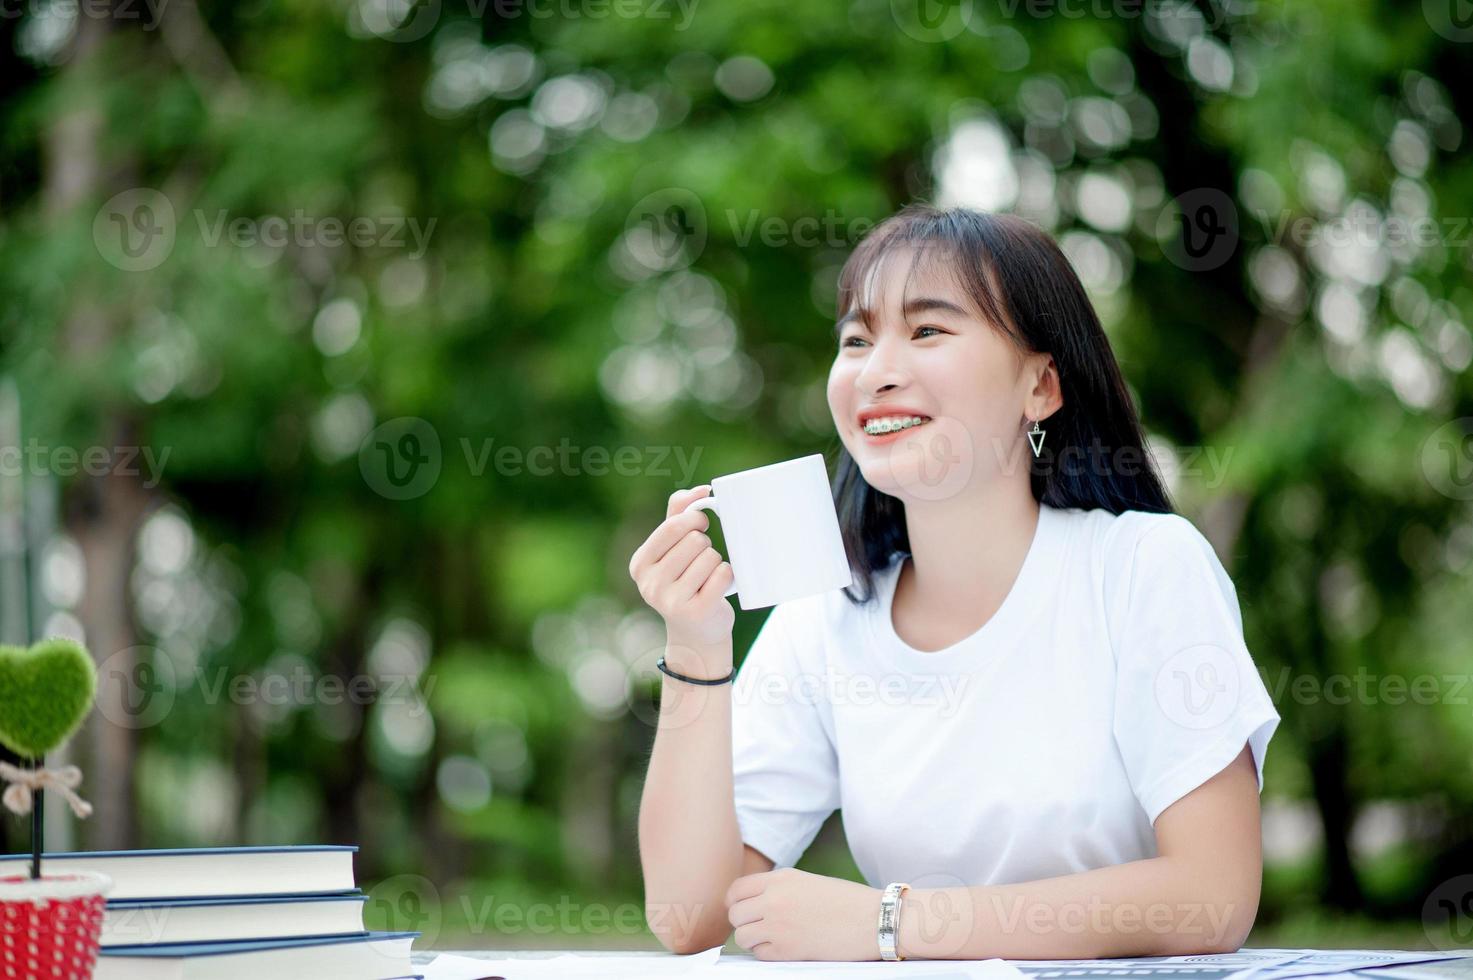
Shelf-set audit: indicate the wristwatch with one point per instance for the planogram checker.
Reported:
(890, 919)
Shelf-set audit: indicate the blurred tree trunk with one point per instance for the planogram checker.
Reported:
(102, 512)
(1328, 756)
(103, 516)
(345, 659)
(248, 759)
(1259, 339)
(1328, 743)
(588, 807)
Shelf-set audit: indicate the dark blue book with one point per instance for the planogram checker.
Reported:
(151, 921)
(207, 872)
(371, 956)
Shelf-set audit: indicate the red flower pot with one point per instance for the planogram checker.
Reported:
(49, 926)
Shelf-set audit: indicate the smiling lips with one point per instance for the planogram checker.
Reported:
(876, 422)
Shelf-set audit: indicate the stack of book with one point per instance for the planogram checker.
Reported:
(233, 912)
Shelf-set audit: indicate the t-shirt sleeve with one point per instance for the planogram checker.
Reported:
(1188, 695)
(785, 770)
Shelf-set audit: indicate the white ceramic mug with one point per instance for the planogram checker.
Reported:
(782, 531)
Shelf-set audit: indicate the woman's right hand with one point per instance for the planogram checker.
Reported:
(683, 579)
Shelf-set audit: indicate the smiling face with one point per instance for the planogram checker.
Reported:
(944, 390)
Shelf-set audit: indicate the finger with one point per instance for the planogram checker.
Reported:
(749, 935)
(747, 886)
(717, 581)
(665, 537)
(681, 499)
(679, 558)
(695, 575)
(743, 913)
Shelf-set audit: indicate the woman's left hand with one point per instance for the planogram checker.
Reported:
(787, 914)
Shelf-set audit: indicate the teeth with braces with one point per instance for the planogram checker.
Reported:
(880, 426)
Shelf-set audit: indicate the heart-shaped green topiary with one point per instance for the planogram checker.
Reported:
(45, 692)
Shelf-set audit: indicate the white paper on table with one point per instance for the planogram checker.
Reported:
(448, 966)
(738, 968)
(1244, 964)
(1338, 962)
(1201, 966)
(1460, 968)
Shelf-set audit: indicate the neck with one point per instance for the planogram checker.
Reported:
(970, 548)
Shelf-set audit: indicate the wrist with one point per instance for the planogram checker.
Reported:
(890, 920)
(697, 679)
(712, 658)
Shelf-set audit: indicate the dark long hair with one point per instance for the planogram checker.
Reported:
(1024, 285)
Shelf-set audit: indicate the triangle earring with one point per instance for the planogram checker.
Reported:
(1035, 438)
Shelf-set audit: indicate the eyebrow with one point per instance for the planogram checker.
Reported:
(921, 304)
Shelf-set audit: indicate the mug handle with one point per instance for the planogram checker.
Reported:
(709, 503)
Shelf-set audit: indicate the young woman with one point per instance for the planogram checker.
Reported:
(1035, 710)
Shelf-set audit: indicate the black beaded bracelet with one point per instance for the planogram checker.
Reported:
(693, 680)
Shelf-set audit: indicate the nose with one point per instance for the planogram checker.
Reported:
(883, 369)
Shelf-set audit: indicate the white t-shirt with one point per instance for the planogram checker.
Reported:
(1113, 680)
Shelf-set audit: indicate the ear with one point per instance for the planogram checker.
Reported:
(1047, 395)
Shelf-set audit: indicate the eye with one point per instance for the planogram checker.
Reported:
(850, 340)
